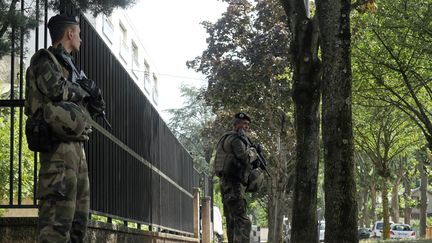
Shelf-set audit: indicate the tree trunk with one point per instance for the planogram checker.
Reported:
(306, 96)
(275, 210)
(360, 209)
(340, 187)
(279, 181)
(373, 203)
(366, 221)
(423, 198)
(407, 197)
(395, 203)
(275, 233)
(385, 204)
(395, 194)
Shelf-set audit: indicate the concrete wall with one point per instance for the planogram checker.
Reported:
(24, 230)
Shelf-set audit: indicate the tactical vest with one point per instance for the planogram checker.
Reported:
(225, 163)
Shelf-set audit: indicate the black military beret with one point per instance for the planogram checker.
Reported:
(62, 19)
(243, 116)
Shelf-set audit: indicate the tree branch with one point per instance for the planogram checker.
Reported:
(9, 14)
(358, 3)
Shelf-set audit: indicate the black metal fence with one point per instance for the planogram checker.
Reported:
(138, 171)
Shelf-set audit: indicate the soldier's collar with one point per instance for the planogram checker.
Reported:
(60, 51)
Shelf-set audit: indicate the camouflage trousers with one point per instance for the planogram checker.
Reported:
(234, 203)
(64, 194)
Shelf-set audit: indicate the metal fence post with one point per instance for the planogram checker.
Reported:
(206, 221)
(196, 212)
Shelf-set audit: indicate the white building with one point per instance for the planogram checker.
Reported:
(119, 34)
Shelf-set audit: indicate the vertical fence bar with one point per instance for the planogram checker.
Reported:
(46, 24)
(12, 120)
(35, 155)
(20, 110)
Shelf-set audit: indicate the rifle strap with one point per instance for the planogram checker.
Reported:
(56, 62)
(222, 140)
(53, 58)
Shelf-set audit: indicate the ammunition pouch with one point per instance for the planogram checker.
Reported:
(255, 181)
(38, 133)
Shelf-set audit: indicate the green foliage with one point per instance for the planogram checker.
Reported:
(96, 6)
(383, 135)
(192, 125)
(247, 51)
(392, 92)
(258, 212)
(95, 217)
(16, 18)
(12, 18)
(217, 198)
(27, 175)
(391, 57)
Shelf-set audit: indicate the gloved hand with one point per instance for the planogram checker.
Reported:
(96, 105)
(90, 87)
(252, 154)
(258, 147)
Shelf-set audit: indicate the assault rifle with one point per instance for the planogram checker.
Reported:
(79, 75)
(261, 162)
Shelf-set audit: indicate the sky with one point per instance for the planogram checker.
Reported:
(171, 33)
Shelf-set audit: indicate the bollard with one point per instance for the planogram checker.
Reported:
(196, 212)
(428, 232)
(206, 221)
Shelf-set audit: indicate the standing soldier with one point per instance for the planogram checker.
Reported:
(59, 105)
(234, 155)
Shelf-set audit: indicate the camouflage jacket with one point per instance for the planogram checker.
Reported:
(49, 88)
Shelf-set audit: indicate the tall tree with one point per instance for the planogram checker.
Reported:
(365, 174)
(383, 136)
(306, 96)
(340, 189)
(422, 161)
(245, 64)
(407, 198)
(332, 24)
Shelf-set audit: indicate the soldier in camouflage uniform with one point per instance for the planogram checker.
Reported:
(234, 155)
(54, 97)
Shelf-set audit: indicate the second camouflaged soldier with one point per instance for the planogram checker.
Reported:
(234, 155)
(59, 110)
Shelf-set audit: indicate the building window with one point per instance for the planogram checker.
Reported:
(147, 81)
(108, 28)
(135, 60)
(135, 54)
(155, 92)
(124, 48)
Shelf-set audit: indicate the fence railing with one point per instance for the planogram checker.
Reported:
(138, 171)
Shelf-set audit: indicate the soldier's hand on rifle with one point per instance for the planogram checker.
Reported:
(90, 87)
(252, 154)
(96, 105)
(258, 147)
